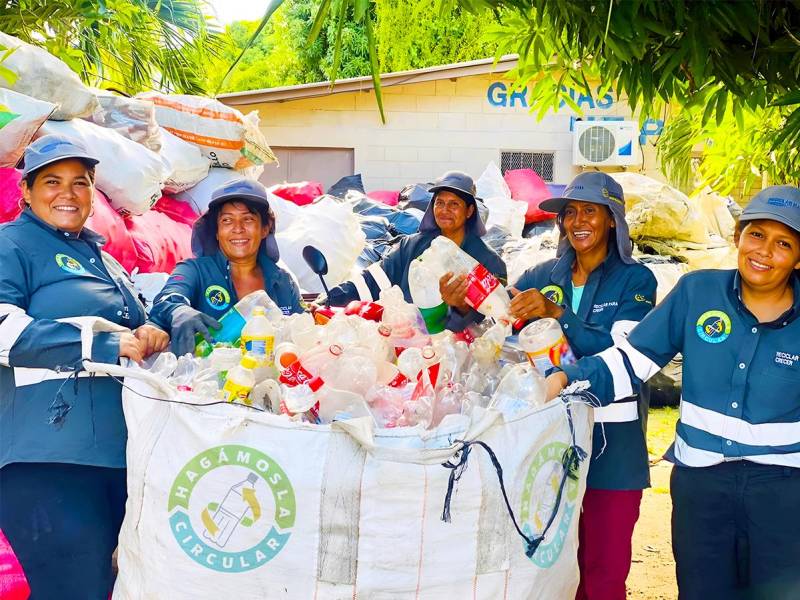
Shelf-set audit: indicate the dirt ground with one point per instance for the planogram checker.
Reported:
(652, 574)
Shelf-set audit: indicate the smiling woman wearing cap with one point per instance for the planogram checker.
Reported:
(736, 481)
(62, 443)
(452, 212)
(235, 254)
(598, 293)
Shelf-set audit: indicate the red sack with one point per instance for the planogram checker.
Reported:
(13, 585)
(302, 193)
(160, 242)
(388, 197)
(526, 185)
(177, 210)
(10, 195)
(107, 222)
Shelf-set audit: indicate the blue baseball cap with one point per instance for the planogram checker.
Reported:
(242, 190)
(777, 203)
(52, 148)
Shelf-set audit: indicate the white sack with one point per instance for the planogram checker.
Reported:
(506, 213)
(199, 195)
(20, 118)
(44, 77)
(128, 173)
(185, 163)
(228, 138)
(130, 117)
(149, 285)
(340, 511)
(335, 230)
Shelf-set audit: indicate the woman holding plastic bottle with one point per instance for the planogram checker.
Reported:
(62, 435)
(235, 254)
(453, 213)
(735, 485)
(598, 293)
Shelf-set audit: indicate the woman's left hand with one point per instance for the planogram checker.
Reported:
(532, 304)
(453, 291)
(152, 339)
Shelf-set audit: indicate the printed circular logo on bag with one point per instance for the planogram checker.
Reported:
(69, 264)
(539, 501)
(232, 509)
(553, 293)
(714, 326)
(218, 297)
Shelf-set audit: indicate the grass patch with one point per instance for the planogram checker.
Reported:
(660, 430)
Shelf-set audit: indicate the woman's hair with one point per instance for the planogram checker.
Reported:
(267, 216)
(30, 178)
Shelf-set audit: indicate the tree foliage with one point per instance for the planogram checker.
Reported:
(132, 45)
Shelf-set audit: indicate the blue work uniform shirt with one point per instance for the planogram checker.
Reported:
(393, 270)
(741, 378)
(615, 297)
(48, 274)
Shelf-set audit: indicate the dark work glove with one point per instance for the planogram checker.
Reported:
(186, 324)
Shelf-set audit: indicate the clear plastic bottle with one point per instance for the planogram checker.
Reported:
(240, 381)
(545, 344)
(424, 286)
(183, 376)
(258, 338)
(523, 387)
(165, 364)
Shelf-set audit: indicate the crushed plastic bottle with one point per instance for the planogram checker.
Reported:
(184, 373)
(521, 389)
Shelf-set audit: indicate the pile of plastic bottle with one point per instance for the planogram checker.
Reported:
(389, 359)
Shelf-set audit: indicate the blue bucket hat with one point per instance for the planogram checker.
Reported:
(251, 193)
(52, 148)
(597, 188)
(463, 186)
(777, 203)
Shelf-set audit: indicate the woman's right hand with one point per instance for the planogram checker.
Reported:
(130, 347)
(532, 304)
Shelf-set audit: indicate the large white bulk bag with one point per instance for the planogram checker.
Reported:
(228, 138)
(44, 77)
(228, 502)
(199, 195)
(20, 118)
(187, 165)
(128, 173)
(133, 118)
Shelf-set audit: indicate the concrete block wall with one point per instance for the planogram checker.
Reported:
(431, 127)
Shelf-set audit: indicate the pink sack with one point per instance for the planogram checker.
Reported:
(107, 222)
(302, 193)
(10, 195)
(526, 185)
(388, 197)
(13, 585)
(177, 210)
(160, 242)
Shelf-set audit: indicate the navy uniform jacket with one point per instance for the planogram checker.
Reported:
(393, 270)
(46, 275)
(741, 378)
(615, 298)
(205, 284)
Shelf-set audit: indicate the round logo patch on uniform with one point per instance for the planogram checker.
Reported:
(231, 509)
(714, 326)
(69, 264)
(553, 293)
(218, 297)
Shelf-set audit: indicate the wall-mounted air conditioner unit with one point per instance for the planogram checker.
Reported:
(606, 144)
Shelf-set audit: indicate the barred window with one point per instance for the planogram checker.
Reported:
(540, 162)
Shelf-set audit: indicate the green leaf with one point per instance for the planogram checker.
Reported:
(722, 105)
(373, 61)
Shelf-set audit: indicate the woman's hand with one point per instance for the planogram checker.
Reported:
(130, 347)
(555, 382)
(532, 304)
(453, 291)
(152, 339)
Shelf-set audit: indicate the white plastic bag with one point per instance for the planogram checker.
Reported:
(186, 164)
(130, 117)
(44, 77)
(334, 229)
(199, 195)
(128, 173)
(228, 138)
(491, 183)
(506, 213)
(20, 117)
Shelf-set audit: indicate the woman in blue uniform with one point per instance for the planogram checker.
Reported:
(62, 435)
(235, 254)
(598, 293)
(736, 481)
(452, 212)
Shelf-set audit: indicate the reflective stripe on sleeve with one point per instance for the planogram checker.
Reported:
(621, 329)
(643, 367)
(13, 324)
(619, 374)
(362, 288)
(380, 276)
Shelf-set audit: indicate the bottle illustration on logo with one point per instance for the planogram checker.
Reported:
(239, 507)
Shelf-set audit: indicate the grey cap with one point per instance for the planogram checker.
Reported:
(597, 188)
(463, 186)
(253, 194)
(777, 203)
(52, 148)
